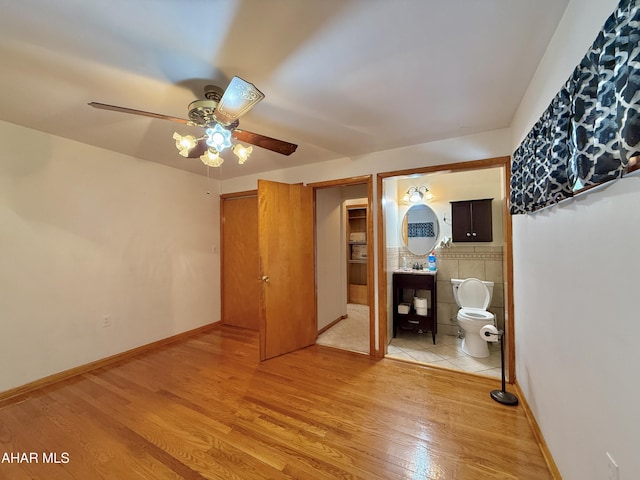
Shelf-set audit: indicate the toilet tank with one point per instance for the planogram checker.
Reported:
(455, 283)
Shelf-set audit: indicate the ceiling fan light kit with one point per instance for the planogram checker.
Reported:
(218, 115)
(218, 138)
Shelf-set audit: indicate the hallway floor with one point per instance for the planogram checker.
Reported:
(351, 333)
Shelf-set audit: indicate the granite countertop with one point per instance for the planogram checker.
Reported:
(416, 272)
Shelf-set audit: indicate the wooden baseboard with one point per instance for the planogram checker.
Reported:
(327, 327)
(546, 453)
(12, 395)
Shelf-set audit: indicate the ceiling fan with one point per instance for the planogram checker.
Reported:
(219, 115)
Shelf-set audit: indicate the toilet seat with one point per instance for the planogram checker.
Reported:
(475, 315)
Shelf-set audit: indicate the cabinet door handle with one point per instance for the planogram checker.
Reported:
(468, 234)
(474, 234)
(265, 279)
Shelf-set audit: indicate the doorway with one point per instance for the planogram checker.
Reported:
(344, 248)
(391, 254)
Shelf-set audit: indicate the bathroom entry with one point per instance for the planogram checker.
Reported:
(486, 260)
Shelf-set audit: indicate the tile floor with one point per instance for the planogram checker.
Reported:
(447, 352)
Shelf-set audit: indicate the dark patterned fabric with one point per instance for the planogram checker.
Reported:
(592, 127)
(585, 112)
(558, 182)
(424, 229)
(628, 79)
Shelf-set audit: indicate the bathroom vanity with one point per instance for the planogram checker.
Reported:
(405, 283)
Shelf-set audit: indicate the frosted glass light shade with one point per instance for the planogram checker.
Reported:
(211, 158)
(185, 143)
(242, 152)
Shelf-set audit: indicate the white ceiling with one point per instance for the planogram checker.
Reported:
(342, 78)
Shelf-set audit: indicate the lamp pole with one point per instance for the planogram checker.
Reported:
(502, 396)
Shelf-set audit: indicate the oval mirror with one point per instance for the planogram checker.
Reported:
(420, 229)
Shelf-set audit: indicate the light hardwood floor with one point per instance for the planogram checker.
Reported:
(206, 408)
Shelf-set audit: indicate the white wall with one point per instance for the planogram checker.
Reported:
(576, 293)
(85, 233)
(393, 238)
(472, 147)
(330, 256)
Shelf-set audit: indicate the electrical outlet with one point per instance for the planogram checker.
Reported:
(614, 472)
(106, 321)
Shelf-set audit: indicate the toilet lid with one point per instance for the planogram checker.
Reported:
(472, 293)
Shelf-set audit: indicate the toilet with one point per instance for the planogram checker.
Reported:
(473, 296)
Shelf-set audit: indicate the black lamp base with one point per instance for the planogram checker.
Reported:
(504, 398)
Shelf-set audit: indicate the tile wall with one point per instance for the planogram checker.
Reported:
(483, 262)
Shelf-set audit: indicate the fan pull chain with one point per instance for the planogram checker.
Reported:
(219, 169)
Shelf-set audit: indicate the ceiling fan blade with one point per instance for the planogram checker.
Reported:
(199, 149)
(239, 97)
(278, 146)
(115, 108)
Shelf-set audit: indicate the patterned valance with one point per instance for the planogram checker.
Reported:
(590, 132)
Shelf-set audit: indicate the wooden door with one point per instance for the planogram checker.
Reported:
(285, 243)
(240, 263)
(461, 220)
(481, 220)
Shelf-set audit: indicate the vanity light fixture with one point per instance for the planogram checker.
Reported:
(417, 194)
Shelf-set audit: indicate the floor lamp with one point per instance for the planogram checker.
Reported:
(501, 396)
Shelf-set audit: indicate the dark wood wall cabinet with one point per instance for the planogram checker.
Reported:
(471, 221)
(404, 283)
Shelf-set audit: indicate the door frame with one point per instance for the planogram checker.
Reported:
(504, 162)
(345, 182)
